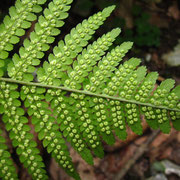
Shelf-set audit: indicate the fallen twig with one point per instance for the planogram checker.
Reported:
(141, 150)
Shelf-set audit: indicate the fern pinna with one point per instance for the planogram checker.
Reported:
(81, 94)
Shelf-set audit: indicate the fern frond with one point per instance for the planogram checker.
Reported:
(7, 170)
(21, 16)
(97, 97)
(15, 122)
(88, 58)
(68, 124)
(84, 119)
(46, 125)
(68, 49)
(47, 26)
(102, 72)
(116, 85)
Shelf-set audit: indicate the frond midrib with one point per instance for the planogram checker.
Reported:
(86, 93)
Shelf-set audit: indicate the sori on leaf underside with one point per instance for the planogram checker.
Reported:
(81, 94)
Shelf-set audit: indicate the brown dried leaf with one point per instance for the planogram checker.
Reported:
(173, 11)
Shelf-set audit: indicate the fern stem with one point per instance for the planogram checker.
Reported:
(86, 92)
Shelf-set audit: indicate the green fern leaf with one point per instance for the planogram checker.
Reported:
(13, 26)
(82, 94)
(7, 170)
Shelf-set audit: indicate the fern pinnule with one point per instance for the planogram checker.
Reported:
(120, 77)
(158, 98)
(132, 83)
(133, 117)
(21, 16)
(118, 123)
(87, 126)
(63, 54)
(173, 99)
(88, 58)
(46, 125)
(101, 73)
(162, 93)
(146, 87)
(7, 170)
(101, 111)
(175, 116)
(69, 126)
(16, 124)
(47, 26)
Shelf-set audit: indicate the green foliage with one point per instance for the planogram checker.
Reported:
(19, 132)
(6, 164)
(32, 50)
(81, 94)
(19, 18)
(146, 33)
(143, 33)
